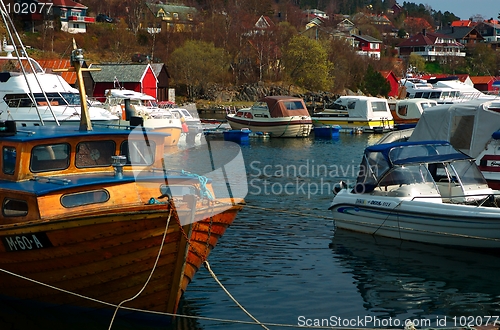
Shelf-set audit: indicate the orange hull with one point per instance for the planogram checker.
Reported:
(109, 258)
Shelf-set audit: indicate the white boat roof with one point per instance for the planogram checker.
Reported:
(128, 94)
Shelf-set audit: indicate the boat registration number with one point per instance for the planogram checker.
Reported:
(26, 242)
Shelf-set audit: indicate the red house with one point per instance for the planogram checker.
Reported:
(483, 83)
(367, 46)
(137, 77)
(393, 80)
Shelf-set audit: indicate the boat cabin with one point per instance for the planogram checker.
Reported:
(432, 171)
(274, 107)
(409, 110)
(57, 150)
(364, 107)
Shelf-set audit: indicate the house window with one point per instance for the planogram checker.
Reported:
(176, 16)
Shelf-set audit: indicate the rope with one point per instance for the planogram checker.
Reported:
(150, 274)
(204, 191)
(207, 266)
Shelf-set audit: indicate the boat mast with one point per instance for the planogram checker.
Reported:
(76, 62)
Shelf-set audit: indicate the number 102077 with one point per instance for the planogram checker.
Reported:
(475, 321)
(28, 8)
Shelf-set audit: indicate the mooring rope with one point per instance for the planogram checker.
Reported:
(152, 270)
(207, 266)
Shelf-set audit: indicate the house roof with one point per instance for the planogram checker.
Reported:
(419, 22)
(387, 73)
(182, 10)
(482, 79)
(49, 65)
(367, 38)
(157, 67)
(457, 32)
(463, 23)
(429, 38)
(64, 3)
(121, 72)
(264, 22)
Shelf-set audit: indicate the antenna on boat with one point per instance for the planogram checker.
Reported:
(13, 48)
(76, 63)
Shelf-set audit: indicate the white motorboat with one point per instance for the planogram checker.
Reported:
(370, 114)
(420, 191)
(128, 103)
(443, 91)
(192, 130)
(31, 97)
(407, 112)
(278, 116)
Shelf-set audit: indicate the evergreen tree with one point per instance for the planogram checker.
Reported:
(375, 84)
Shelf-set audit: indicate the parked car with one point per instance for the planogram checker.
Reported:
(103, 18)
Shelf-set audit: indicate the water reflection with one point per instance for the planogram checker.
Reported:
(407, 279)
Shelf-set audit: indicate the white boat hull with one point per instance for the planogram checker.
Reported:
(276, 127)
(367, 125)
(427, 221)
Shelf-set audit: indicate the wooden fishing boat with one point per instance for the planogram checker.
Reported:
(84, 225)
(91, 216)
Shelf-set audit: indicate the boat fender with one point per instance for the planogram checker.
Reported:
(185, 128)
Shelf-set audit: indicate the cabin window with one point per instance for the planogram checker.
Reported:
(461, 131)
(425, 95)
(435, 95)
(351, 105)
(177, 190)
(50, 157)
(9, 160)
(85, 198)
(293, 105)
(138, 152)
(427, 105)
(14, 208)
(94, 153)
(379, 106)
(25, 100)
(418, 95)
(403, 110)
(248, 115)
(239, 114)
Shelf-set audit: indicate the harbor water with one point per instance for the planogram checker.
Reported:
(284, 263)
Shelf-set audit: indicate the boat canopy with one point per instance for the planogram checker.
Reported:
(379, 159)
(467, 125)
(400, 153)
(284, 106)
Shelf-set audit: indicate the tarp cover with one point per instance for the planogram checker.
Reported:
(468, 126)
(285, 106)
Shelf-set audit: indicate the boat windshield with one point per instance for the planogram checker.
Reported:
(406, 175)
(260, 106)
(71, 98)
(469, 173)
(379, 106)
